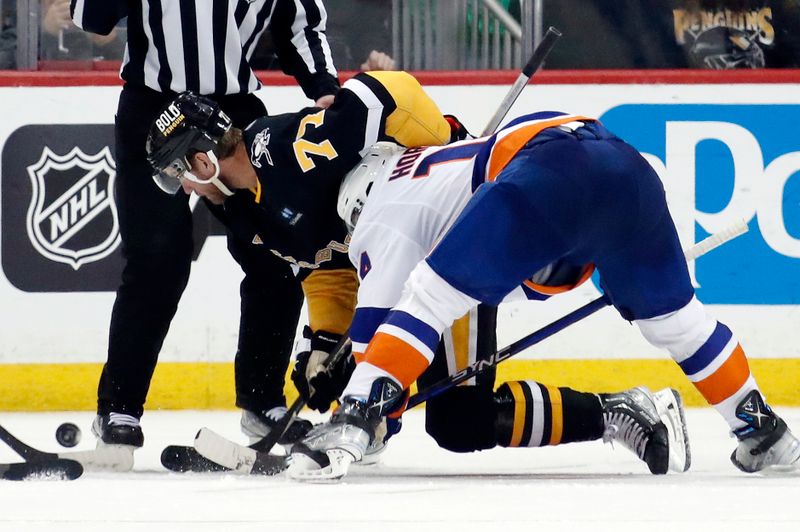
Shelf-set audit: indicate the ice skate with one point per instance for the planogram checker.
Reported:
(257, 425)
(766, 444)
(650, 425)
(669, 406)
(118, 429)
(385, 430)
(118, 435)
(328, 450)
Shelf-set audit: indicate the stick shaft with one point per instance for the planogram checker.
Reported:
(716, 240)
(21, 448)
(534, 63)
(266, 443)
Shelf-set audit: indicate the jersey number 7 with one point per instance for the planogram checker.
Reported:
(303, 149)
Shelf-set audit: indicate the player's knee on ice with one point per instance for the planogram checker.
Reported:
(462, 419)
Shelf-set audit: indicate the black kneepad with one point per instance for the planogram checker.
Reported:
(462, 419)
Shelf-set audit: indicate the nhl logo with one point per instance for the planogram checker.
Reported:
(70, 194)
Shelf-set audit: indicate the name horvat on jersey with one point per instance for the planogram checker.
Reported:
(406, 162)
(259, 148)
(169, 120)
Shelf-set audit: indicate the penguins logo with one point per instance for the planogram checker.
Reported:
(259, 148)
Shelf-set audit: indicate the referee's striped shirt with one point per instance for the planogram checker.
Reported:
(206, 45)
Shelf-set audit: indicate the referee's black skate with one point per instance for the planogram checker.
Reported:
(257, 425)
(118, 429)
(765, 444)
(651, 425)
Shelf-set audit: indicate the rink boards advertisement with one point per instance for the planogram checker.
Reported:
(725, 152)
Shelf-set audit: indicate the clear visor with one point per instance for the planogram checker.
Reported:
(169, 178)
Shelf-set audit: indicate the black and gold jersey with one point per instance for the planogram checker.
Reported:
(301, 158)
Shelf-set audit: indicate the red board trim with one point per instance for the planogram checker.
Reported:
(106, 74)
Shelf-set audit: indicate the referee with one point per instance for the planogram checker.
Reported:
(202, 46)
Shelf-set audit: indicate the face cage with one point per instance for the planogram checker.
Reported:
(169, 178)
(355, 213)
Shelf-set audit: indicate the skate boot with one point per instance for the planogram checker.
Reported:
(328, 450)
(385, 430)
(257, 425)
(650, 425)
(118, 429)
(765, 444)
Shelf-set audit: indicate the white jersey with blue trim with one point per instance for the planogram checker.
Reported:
(414, 201)
(408, 210)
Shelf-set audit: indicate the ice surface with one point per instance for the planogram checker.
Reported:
(588, 486)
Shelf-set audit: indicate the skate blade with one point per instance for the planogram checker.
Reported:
(670, 406)
(305, 469)
(791, 470)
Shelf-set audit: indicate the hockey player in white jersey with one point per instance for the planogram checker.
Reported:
(528, 212)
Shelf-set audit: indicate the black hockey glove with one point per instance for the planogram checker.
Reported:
(318, 387)
(457, 129)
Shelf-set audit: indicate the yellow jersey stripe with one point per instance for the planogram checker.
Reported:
(520, 411)
(556, 415)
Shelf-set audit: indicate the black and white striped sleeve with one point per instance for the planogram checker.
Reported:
(298, 30)
(98, 16)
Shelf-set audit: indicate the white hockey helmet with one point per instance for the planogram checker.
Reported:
(357, 184)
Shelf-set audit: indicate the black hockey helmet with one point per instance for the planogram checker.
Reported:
(189, 124)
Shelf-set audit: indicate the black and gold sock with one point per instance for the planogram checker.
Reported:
(530, 414)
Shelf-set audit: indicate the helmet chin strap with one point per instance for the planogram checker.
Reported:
(214, 180)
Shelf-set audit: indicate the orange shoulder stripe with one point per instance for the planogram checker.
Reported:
(508, 145)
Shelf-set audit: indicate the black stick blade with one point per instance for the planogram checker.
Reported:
(183, 459)
(269, 464)
(56, 469)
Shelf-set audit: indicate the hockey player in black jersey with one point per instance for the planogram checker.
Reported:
(278, 182)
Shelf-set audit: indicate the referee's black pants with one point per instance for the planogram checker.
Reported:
(156, 231)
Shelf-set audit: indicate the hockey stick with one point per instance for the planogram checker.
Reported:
(104, 458)
(534, 63)
(28, 453)
(38, 464)
(255, 458)
(697, 250)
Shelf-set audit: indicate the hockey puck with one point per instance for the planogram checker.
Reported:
(68, 435)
